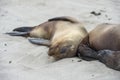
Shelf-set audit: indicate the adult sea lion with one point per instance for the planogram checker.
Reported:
(61, 34)
(103, 43)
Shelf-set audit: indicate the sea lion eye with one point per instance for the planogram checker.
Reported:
(65, 49)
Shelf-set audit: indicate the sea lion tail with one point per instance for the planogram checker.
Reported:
(21, 31)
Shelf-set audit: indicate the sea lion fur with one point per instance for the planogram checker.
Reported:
(103, 43)
(64, 33)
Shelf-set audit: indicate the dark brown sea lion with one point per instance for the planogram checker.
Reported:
(63, 35)
(103, 43)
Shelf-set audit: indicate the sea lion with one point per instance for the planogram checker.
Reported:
(61, 34)
(103, 43)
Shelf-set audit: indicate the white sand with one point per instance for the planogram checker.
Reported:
(21, 60)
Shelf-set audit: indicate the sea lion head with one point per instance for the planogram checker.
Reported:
(62, 49)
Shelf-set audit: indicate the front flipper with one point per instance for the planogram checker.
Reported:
(87, 53)
(64, 18)
(87, 58)
(40, 41)
(16, 33)
(110, 58)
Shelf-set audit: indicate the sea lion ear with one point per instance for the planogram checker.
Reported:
(65, 49)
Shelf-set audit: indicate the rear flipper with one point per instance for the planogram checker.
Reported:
(21, 31)
(40, 41)
(15, 33)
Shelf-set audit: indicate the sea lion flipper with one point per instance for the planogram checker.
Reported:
(23, 29)
(64, 18)
(87, 53)
(40, 41)
(110, 58)
(87, 58)
(15, 33)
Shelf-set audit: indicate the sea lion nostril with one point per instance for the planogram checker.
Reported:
(50, 53)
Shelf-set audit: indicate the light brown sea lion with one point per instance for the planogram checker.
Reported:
(103, 43)
(64, 33)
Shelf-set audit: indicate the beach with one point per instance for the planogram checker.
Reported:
(21, 60)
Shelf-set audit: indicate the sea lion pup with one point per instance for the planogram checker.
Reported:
(103, 43)
(63, 35)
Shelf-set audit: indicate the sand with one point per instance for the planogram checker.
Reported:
(21, 60)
